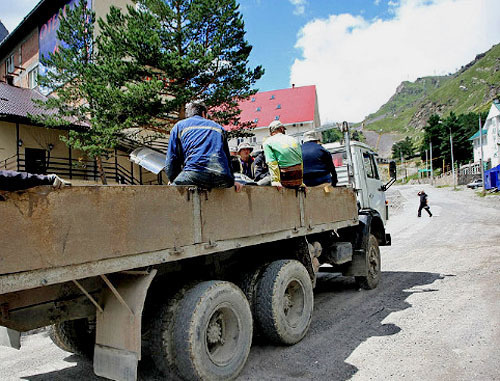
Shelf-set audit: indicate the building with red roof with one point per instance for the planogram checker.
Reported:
(295, 107)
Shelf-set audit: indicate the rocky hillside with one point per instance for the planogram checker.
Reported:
(472, 88)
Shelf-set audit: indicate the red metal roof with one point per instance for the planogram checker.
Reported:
(292, 105)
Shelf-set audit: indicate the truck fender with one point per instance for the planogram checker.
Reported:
(118, 331)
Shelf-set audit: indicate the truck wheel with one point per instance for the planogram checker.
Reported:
(212, 332)
(248, 284)
(160, 332)
(370, 281)
(284, 302)
(75, 336)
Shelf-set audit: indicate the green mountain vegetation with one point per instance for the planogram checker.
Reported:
(470, 89)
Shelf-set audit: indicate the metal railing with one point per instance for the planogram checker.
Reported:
(80, 169)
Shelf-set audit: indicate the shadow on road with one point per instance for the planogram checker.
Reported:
(344, 317)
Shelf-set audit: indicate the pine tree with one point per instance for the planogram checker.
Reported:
(195, 48)
(143, 68)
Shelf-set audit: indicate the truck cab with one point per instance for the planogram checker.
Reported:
(364, 176)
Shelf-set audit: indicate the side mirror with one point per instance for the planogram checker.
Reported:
(392, 170)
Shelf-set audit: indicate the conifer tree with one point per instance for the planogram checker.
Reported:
(196, 48)
(99, 95)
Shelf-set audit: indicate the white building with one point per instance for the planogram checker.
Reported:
(295, 107)
(490, 138)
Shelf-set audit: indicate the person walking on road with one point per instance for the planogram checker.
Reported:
(423, 204)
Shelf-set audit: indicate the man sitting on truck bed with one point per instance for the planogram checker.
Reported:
(13, 181)
(318, 163)
(284, 157)
(198, 153)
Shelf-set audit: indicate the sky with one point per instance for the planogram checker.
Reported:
(356, 52)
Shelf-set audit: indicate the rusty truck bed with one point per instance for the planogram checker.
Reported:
(52, 236)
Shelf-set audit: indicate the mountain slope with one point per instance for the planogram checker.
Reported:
(472, 88)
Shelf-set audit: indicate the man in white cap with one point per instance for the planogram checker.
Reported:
(318, 163)
(246, 161)
(284, 157)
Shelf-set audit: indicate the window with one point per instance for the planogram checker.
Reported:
(9, 64)
(278, 106)
(20, 56)
(253, 139)
(258, 108)
(256, 120)
(272, 97)
(277, 117)
(253, 99)
(370, 166)
(32, 78)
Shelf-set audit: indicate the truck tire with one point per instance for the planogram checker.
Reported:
(212, 332)
(285, 302)
(370, 281)
(160, 333)
(75, 336)
(248, 284)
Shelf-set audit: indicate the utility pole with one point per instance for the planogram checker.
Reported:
(426, 162)
(481, 157)
(452, 160)
(432, 174)
(403, 164)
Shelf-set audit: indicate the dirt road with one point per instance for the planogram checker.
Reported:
(435, 315)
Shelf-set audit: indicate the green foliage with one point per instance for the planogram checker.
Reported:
(471, 89)
(358, 136)
(403, 147)
(144, 67)
(196, 50)
(460, 127)
(331, 136)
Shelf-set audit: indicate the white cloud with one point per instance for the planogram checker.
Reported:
(300, 6)
(357, 64)
(376, 2)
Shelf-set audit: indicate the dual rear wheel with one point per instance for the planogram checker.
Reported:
(205, 331)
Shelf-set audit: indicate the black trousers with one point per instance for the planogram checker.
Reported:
(426, 207)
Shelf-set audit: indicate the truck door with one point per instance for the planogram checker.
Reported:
(375, 196)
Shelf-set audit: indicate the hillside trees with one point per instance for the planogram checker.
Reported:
(403, 148)
(438, 130)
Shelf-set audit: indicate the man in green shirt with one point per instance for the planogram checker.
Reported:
(284, 157)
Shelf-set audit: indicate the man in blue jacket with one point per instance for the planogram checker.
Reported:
(318, 163)
(198, 153)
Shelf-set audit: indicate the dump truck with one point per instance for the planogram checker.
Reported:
(182, 275)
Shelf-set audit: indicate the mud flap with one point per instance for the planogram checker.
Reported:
(359, 265)
(10, 338)
(118, 331)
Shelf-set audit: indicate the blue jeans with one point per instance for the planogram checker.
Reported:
(206, 180)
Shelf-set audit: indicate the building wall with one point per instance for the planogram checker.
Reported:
(7, 140)
(261, 133)
(25, 57)
(491, 142)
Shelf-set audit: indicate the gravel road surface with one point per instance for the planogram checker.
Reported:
(434, 316)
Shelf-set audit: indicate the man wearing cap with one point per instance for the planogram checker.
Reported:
(284, 157)
(246, 161)
(198, 153)
(318, 163)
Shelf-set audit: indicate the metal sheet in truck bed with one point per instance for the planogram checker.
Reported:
(49, 236)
